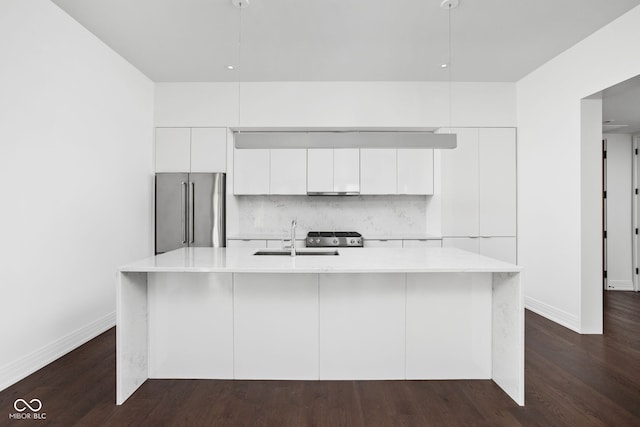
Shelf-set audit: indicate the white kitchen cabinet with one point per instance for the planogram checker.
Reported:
(346, 170)
(191, 150)
(497, 182)
(415, 171)
(378, 171)
(288, 171)
(173, 150)
(208, 150)
(251, 171)
(276, 326)
(319, 170)
(362, 326)
(422, 243)
(333, 170)
(177, 302)
(460, 197)
(460, 345)
(382, 243)
(502, 248)
(479, 192)
(246, 243)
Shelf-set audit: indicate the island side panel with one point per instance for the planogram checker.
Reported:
(190, 325)
(362, 326)
(276, 326)
(131, 334)
(508, 334)
(448, 326)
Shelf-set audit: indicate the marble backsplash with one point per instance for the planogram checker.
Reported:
(379, 215)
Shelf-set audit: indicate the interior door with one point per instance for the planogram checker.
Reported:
(171, 211)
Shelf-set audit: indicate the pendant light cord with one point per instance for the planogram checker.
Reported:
(449, 67)
(239, 58)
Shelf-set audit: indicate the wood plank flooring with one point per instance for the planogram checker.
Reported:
(571, 380)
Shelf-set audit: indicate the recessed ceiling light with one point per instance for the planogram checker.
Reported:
(444, 65)
(230, 67)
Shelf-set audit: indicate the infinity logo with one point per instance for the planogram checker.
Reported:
(26, 405)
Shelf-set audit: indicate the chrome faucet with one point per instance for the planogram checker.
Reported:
(293, 237)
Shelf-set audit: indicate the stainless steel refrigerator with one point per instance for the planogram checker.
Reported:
(190, 210)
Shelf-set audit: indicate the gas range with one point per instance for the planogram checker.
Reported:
(319, 239)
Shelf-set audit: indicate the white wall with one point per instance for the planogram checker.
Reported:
(619, 221)
(558, 170)
(76, 124)
(334, 104)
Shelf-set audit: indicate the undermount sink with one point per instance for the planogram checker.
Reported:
(286, 252)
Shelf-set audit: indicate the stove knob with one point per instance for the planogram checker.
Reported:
(310, 240)
(353, 241)
(318, 240)
(335, 241)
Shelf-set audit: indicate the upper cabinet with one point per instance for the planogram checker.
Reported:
(333, 170)
(191, 150)
(173, 150)
(251, 172)
(276, 171)
(288, 171)
(378, 170)
(415, 171)
(396, 171)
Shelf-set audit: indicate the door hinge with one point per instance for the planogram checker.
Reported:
(637, 270)
(636, 231)
(636, 191)
(604, 154)
(604, 234)
(605, 274)
(605, 194)
(636, 151)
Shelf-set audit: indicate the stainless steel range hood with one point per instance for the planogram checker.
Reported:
(252, 138)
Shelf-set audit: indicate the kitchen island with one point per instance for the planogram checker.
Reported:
(378, 313)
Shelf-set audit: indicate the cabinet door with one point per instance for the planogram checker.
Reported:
(288, 171)
(502, 248)
(173, 147)
(251, 171)
(460, 186)
(378, 171)
(415, 171)
(346, 170)
(319, 169)
(208, 150)
(465, 243)
(246, 243)
(497, 179)
(368, 243)
(422, 243)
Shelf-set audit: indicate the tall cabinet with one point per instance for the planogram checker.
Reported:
(479, 192)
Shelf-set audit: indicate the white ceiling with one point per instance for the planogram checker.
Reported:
(343, 40)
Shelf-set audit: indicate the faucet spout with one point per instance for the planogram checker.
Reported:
(293, 237)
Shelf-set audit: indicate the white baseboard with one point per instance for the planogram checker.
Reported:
(15, 371)
(620, 285)
(554, 314)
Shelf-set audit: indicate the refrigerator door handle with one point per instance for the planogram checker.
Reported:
(192, 233)
(183, 215)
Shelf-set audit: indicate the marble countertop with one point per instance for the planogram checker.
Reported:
(350, 260)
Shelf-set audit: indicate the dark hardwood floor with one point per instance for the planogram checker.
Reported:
(571, 380)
